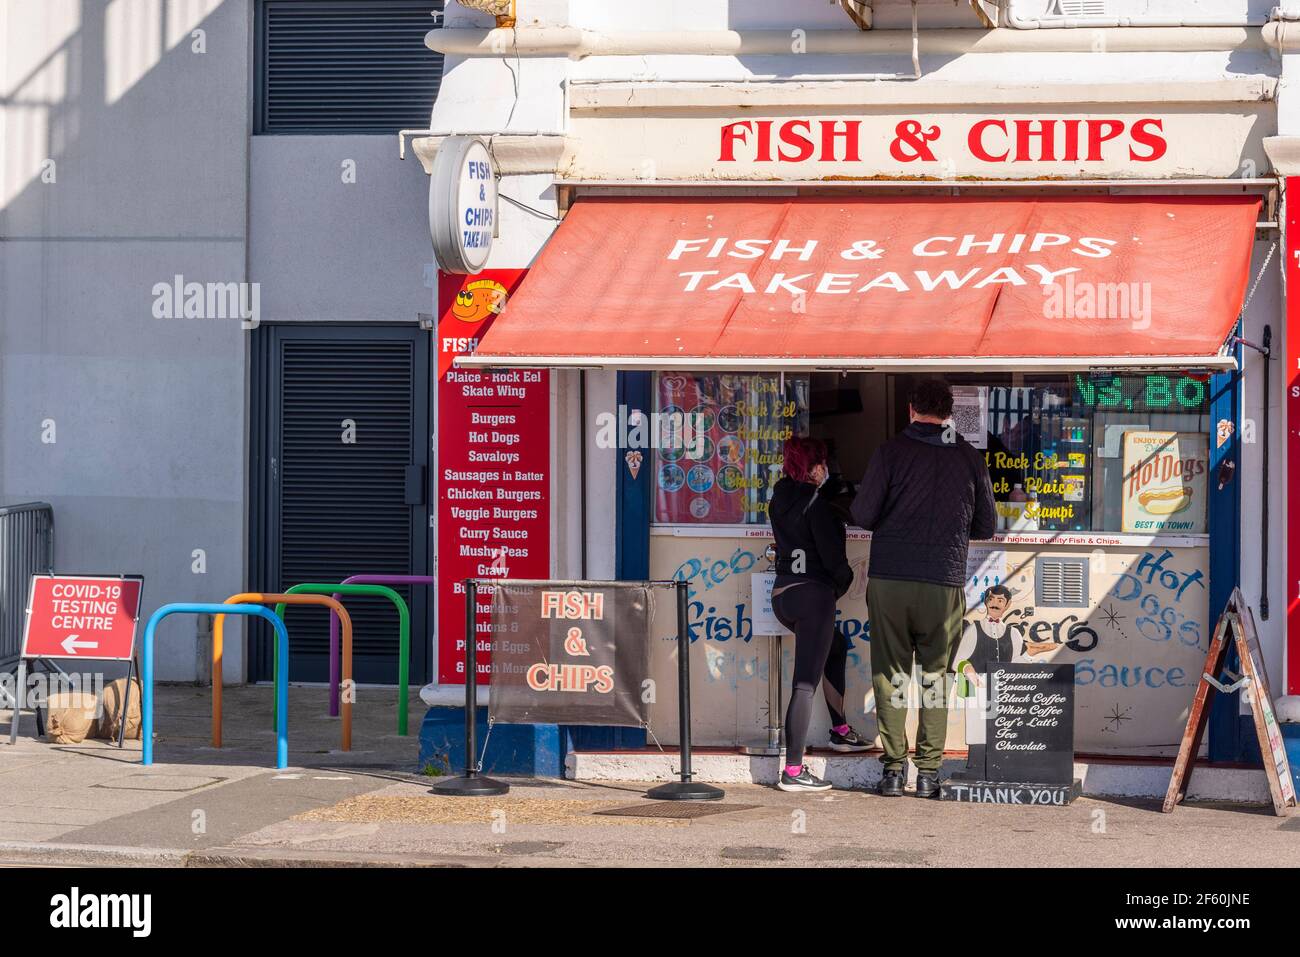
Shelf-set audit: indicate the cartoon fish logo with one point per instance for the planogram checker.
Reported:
(479, 300)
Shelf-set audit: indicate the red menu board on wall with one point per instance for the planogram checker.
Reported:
(493, 467)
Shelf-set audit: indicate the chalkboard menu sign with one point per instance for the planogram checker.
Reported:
(1028, 754)
(1030, 731)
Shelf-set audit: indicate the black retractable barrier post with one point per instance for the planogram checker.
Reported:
(471, 785)
(685, 789)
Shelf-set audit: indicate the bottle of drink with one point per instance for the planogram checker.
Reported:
(1017, 520)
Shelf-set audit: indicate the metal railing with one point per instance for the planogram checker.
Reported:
(26, 549)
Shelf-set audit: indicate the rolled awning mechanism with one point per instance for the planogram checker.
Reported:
(1221, 362)
(1266, 349)
(1263, 350)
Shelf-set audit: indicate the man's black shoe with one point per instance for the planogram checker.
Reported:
(927, 784)
(891, 784)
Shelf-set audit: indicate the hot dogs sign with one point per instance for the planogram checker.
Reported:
(1164, 481)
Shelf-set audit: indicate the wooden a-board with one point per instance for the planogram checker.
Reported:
(1235, 625)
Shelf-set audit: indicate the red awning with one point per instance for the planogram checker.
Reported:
(864, 282)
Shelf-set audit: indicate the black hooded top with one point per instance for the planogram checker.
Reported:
(809, 537)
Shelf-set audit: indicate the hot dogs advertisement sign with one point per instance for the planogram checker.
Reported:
(1164, 481)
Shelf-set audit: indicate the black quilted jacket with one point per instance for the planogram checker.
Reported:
(923, 499)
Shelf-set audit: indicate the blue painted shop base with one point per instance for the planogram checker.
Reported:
(526, 749)
(1291, 737)
(531, 750)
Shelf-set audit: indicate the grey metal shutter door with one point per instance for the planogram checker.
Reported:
(340, 66)
(341, 506)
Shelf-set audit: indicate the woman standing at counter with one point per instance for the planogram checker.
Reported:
(812, 572)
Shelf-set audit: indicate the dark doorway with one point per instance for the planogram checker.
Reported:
(339, 471)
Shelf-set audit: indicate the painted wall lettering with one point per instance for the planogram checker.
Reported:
(1136, 647)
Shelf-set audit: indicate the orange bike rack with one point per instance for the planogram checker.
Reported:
(218, 634)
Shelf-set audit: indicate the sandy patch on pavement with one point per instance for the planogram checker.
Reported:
(370, 808)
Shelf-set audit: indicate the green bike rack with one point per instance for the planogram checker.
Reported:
(404, 636)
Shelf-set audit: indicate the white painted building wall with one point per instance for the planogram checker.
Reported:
(1222, 72)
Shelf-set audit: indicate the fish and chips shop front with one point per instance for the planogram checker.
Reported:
(690, 282)
(1089, 344)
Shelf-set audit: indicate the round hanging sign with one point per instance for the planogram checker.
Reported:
(463, 204)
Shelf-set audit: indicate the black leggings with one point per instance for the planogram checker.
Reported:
(820, 656)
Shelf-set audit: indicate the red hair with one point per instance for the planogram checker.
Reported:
(801, 456)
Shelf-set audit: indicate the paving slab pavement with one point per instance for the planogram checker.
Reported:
(195, 796)
(224, 811)
(842, 829)
(93, 804)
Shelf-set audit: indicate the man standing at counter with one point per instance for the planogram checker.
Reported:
(926, 494)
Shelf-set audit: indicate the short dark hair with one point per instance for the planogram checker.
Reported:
(931, 397)
(1000, 590)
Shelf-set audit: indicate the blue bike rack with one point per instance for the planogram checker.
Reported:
(281, 679)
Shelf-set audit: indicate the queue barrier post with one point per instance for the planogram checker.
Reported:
(685, 789)
(281, 684)
(404, 640)
(471, 785)
(218, 645)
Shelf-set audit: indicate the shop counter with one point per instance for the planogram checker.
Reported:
(1130, 612)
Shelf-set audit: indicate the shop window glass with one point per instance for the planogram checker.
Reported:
(720, 436)
(1093, 452)
(1078, 452)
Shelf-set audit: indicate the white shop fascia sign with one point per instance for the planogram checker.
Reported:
(1133, 142)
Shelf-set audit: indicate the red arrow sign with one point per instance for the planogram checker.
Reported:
(71, 616)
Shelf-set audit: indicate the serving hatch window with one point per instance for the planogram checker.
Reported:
(1079, 452)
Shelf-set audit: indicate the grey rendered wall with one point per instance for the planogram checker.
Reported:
(325, 249)
(148, 139)
(339, 232)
